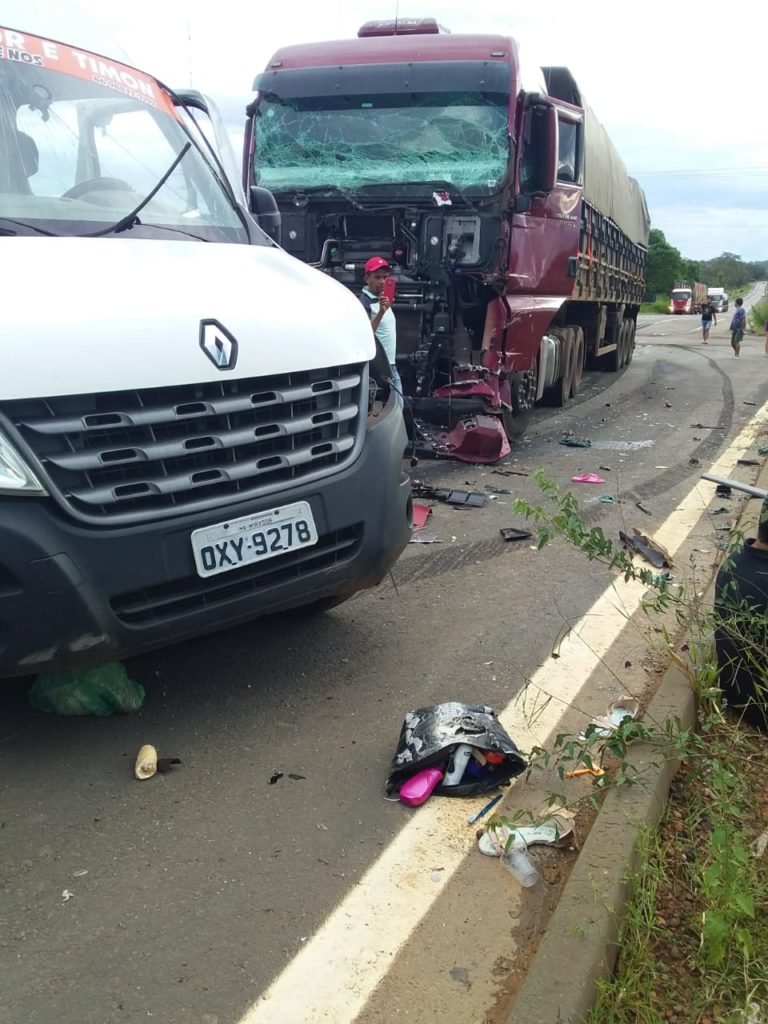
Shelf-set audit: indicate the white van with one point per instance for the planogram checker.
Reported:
(191, 432)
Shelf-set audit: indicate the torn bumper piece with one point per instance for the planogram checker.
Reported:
(476, 439)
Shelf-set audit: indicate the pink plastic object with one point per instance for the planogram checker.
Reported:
(418, 789)
(587, 478)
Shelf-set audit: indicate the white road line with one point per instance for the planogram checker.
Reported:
(332, 977)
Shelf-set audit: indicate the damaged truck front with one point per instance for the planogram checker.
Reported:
(518, 240)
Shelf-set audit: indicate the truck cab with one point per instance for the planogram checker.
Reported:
(192, 430)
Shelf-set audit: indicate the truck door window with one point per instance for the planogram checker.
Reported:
(568, 150)
(534, 155)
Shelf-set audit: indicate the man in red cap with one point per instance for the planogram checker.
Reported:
(379, 308)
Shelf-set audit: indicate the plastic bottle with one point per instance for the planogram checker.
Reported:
(516, 860)
(461, 757)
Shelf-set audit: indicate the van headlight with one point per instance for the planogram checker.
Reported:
(15, 475)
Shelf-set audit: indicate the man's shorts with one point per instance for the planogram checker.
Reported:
(737, 337)
(706, 325)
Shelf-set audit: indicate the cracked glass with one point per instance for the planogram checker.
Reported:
(348, 142)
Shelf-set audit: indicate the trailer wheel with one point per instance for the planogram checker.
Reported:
(578, 361)
(623, 349)
(560, 393)
(630, 340)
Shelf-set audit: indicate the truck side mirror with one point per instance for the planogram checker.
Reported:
(263, 206)
(552, 136)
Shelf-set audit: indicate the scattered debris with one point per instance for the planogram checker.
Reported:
(510, 533)
(80, 874)
(165, 764)
(605, 725)
(555, 828)
(607, 499)
(509, 472)
(641, 506)
(605, 469)
(498, 490)
(723, 491)
(146, 762)
(484, 810)
(649, 549)
(66, 896)
(763, 449)
(587, 478)
(696, 438)
(723, 529)
(295, 777)
(425, 538)
(749, 403)
(720, 511)
(667, 405)
(103, 690)
(761, 844)
(702, 426)
(747, 462)
(575, 442)
(474, 499)
(275, 777)
(421, 514)
(693, 462)
(576, 773)
(627, 664)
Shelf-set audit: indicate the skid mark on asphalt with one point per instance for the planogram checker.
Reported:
(332, 977)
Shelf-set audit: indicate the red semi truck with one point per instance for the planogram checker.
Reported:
(686, 298)
(517, 238)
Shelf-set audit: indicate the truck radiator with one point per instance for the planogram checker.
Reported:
(132, 455)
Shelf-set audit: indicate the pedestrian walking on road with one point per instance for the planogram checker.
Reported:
(708, 317)
(738, 323)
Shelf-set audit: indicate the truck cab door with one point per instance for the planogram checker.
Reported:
(546, 214)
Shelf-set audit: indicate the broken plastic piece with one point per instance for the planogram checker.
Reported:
(554, 829)
(498, 490)
(641, 506)
(587, 478)
(747, 462)
(518, 863)
(275, 777)
(598, 773)
(425, 538)
(607, 499)
(510, 533)
(650, 550)
(421, 514)
(480, 439)
(166, 764)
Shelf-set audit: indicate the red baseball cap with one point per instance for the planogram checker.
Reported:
(376, 263)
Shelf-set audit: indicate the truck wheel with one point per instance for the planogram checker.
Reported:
(560, 393)
(623, 347)
(630, 341)
(523, 389)
(578, 361)
(613, 362)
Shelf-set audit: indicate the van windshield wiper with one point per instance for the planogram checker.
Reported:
(23, 224)
(131, 219)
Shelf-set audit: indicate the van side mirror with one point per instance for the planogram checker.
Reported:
(263, 206)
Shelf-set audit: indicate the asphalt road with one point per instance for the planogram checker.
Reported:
(192, 892)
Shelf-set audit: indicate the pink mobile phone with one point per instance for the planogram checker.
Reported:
(388, 291)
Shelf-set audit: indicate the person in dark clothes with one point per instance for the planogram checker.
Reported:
(708, 317)
(741, 627)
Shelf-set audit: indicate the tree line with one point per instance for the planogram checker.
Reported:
(666, 265)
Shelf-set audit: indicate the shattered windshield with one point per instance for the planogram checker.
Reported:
(353, 141)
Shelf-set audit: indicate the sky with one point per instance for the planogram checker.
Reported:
(680, 88)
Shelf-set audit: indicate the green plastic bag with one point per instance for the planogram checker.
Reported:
(103, 690)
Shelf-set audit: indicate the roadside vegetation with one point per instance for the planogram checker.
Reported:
(666, 265)
(758, 316)
(694, 945)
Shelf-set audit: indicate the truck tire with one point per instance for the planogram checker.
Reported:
(560, 393)
(523, 390)
(613, 361)
(630, 340)
(577, 370)
(623, 346)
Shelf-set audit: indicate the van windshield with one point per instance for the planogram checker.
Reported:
(83, 140)
(357, 140)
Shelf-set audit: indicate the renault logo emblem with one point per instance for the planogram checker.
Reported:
(218, 344)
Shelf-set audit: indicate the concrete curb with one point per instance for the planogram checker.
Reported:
(580, 944)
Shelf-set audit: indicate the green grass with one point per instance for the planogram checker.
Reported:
(696, 931)
(758, 315)
(659, 305)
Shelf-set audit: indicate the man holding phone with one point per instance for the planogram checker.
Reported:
(377, 297)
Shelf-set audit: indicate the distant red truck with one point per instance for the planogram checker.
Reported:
(686, 298)
(517, 238)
